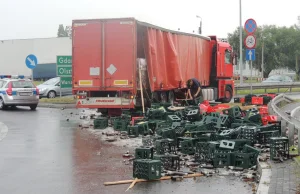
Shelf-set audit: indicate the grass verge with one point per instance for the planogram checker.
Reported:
(63, 100)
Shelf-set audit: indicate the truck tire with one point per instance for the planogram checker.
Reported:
(228, 95)
(163, 97)
(51, 94)
(171, 97)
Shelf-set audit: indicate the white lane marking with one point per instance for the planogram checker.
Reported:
(3, 131)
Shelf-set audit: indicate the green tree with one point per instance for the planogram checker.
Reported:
(281, 46)
(61, 31)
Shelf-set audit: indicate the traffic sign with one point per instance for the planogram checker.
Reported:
(31, 61)
(250, 26)
(64, 71)
(250, 54)
(250, 41)
(64, 60)
(66, 82)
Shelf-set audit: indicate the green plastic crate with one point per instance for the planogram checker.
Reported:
(120, 124)
(101, 123)
(144, 153)
(188, 146)
(147, 169)
(163, 146)
(133, 130)
(279, 147)
(143, 128)
(169, 162)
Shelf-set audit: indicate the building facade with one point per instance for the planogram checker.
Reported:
(14, 52)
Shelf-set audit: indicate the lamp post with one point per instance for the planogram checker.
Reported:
(241, 46)
(200, 27)
(262, 54)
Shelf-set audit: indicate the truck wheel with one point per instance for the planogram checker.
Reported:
(51, 94)
(163, 97)
(171, 97)
(228, 95)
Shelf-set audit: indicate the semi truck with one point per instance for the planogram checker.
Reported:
(124, 63)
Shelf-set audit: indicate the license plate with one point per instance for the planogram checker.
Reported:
(25, 94)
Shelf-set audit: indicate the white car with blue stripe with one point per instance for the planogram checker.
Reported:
(17, 91)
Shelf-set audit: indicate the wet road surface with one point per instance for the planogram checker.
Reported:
(42, 152)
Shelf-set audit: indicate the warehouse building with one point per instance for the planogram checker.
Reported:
(14, 52)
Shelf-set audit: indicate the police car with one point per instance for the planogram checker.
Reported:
(17, 91)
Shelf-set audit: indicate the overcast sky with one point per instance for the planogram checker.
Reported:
(40, 18)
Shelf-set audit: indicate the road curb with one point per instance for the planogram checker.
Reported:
(296, 161)
(265, 172)
(49, 105)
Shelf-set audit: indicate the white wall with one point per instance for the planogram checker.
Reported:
(14, 52)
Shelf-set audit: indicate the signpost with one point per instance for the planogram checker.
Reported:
(31, 62)
(64, 71)
(250, 43)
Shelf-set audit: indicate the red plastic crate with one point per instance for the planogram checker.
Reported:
(242, 100)
(257, 101)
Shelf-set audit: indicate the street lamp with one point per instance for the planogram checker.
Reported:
(200, 27)
(262, 53)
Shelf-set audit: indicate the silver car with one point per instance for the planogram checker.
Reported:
(51, 89)
(18, 92)
(277, 79)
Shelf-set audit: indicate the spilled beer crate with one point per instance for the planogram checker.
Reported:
(147, 169)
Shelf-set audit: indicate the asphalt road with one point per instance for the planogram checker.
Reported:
(42, 152)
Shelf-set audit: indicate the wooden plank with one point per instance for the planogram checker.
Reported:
(143, 180)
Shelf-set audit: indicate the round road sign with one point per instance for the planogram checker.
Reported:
(250, 26)
(250, 41)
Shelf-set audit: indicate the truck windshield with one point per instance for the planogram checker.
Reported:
(227, 57)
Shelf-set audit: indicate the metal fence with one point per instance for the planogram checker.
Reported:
(289, 87)
(288, 122)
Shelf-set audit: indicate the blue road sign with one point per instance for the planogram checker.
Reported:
(250, 26)
(250, 54)
(31, 61)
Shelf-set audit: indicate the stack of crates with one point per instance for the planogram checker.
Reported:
(147, 169)
(279, 147)
(144, 153)
(101, 123)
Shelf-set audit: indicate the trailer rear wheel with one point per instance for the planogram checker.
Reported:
(171, 97)
(228, 95)
(163, 97)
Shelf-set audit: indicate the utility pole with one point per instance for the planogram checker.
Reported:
(241, 46)
(262, 53)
